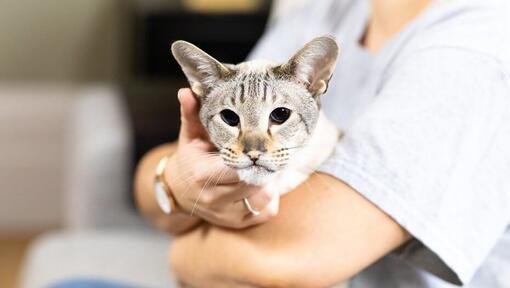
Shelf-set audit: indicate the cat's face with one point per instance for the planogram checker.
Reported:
(258, 113)
(258, 120)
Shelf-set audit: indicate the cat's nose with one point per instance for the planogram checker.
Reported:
(254, 155)
(254, 145)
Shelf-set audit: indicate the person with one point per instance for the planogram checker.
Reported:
(417, 191)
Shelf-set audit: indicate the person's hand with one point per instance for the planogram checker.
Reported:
(202, 184)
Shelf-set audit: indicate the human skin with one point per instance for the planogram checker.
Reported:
(325, 231)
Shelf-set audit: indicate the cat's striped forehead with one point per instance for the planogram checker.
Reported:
(254, 89)
(252, 81)
(251, 86)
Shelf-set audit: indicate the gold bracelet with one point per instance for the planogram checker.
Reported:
(162, 191)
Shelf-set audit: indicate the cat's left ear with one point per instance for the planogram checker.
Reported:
(313, 64)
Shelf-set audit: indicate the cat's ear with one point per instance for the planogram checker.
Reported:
(202, 70)
(313, 64)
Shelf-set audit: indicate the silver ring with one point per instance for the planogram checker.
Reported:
(248, 206)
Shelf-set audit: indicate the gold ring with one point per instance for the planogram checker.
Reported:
(248, 206)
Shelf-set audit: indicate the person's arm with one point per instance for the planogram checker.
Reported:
(175, 223)
(325, 233)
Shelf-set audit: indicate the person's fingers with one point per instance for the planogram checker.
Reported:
(215, 172)
(236, 214)
(259, 200)
(230, 193)
(189, 104)
(228, 177)
(239, 216)
(191, 127)
(265, 214)
(231, 215)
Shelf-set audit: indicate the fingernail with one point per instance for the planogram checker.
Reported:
(179, 94)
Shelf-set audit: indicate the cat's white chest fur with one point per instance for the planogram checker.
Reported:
(318, 148)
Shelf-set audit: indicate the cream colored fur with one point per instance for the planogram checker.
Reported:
(319, 147)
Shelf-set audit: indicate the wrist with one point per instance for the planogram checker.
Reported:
(174, 184)
(163, 193)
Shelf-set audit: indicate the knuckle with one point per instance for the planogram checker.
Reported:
(265, 197)
(230, 221)
(214, 220)
(207, 199)
(195, 174)
(238, 224)
(222, 218)
(202, 176)
(260, 200)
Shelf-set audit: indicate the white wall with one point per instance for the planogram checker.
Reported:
(59, 40)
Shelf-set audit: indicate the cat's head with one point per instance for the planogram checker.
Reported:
(259, 113)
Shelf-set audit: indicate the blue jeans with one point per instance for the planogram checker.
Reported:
(90, 283)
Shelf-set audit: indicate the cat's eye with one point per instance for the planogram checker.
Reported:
(280, 115)
(230, 117)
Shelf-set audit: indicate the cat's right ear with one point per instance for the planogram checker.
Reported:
(313, 64)
(202, 70)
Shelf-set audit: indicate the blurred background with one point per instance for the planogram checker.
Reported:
(86, 88)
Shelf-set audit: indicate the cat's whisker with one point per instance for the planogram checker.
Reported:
(204, 155)
(200, 193)
(190, 183)
(296, 147)
(190, 179)
(187, 169)
(183, 164)
(223, 172)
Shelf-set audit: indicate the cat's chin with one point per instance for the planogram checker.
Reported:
(255, 175)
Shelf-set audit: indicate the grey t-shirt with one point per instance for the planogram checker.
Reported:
(427, 122)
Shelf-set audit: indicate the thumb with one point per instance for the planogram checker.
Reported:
(191, 127)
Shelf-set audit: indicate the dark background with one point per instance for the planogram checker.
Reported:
(151, 88)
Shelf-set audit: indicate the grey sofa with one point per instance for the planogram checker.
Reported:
(103, 236)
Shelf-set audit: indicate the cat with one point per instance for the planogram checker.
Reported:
(264, 117)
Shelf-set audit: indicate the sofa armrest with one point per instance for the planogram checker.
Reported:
(136, 258)
(98, 163)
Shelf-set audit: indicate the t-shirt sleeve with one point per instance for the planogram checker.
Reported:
(432, 151)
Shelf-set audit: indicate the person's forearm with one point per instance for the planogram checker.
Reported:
(325, 233)
(175, 223)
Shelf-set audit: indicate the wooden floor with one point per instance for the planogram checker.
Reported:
(12, 251)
